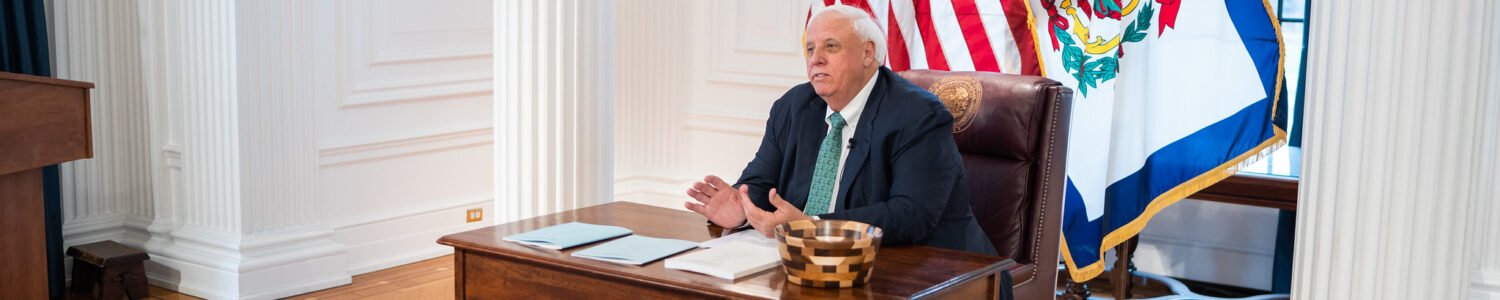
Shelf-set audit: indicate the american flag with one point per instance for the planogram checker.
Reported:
(957, 35)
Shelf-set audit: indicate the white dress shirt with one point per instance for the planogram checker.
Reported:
(851, 114)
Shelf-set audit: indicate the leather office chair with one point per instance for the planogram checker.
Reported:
(1012, 131)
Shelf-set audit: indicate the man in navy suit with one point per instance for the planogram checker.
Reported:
(857, 142)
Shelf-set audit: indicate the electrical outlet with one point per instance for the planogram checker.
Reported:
(476, 214)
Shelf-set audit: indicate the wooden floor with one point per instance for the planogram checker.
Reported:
(428, 279)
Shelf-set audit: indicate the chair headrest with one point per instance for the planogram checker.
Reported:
(994, 114)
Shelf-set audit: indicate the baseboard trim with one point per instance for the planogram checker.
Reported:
(1152, 238)
(209, 283)
(386, 251)
(401, 260)
(218, 265)
(1485, 284)
(167, 272)
(92, 225)
(361, 262)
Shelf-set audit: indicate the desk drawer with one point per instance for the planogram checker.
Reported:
(494, 277)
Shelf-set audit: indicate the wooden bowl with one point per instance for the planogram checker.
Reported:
(828, 253)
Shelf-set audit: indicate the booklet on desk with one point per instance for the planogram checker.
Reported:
(747, 236)
(635, 250)
(565, 236)
(729, 260)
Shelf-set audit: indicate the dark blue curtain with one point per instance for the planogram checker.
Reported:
(23, 49)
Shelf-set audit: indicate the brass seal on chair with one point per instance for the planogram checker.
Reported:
(961, 95)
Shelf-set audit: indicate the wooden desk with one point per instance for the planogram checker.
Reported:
(43, 121)
(1277, 192)
(487, 267)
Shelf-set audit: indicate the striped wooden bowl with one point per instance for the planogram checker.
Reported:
(828, 253)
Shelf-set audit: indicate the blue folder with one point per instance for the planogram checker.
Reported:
(565, 236)
(636, 250)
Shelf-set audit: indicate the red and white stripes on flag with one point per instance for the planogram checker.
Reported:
(957, 35)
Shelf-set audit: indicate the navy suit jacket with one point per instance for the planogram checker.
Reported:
(903, 173)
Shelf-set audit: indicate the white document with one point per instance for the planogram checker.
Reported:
(729, 259)
(747, 236)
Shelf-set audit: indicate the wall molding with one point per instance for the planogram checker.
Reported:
(730, 124)
(429, 55)
(358, 37)
(1485, 285)
(1487, 278)
(402, 144)
(658, 190)
(756, 80)
(731, 60)
(416, 90)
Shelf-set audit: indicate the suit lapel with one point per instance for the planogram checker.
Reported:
(859, 151)
(810, 137)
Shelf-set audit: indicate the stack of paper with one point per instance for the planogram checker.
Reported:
(636, 250)
(747, 236)
(568, 235)
(729, 260)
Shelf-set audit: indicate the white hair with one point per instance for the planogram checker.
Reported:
(864, 26)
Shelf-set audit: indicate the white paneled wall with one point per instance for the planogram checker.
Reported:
(694, 83)
(748, 56)
(403, 133)
(1211, 241)
(651, 85)
(262, 149)
(1399, 161)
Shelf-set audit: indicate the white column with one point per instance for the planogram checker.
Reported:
(1486, 237)
(284, 65)
(232, 83)
(652, 83)
(190, 69)
(554, 67)
(107, 197)
(1396, 122)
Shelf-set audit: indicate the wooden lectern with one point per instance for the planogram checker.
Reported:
(43, 121)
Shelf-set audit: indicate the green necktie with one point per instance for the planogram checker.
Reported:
(825, 174)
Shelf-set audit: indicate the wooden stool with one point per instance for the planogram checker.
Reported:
(116, 268)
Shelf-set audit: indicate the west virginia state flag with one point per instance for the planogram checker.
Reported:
(1172, 96)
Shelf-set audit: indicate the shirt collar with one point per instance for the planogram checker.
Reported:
(856, 105)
